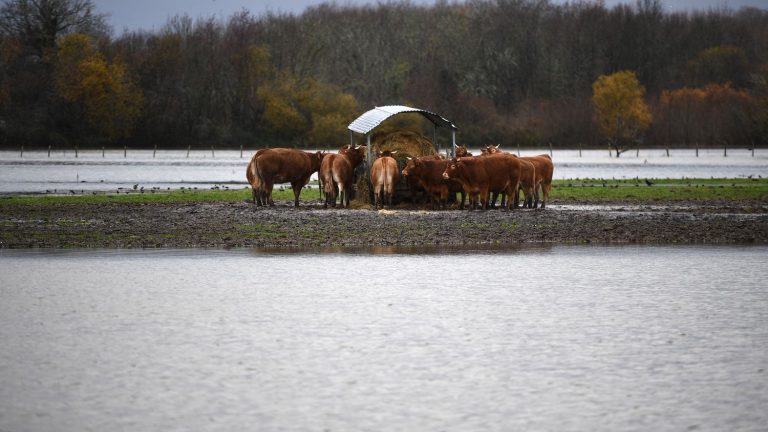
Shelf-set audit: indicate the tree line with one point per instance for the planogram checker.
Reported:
(516, 72)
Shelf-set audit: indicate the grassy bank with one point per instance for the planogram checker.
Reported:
(586, 190)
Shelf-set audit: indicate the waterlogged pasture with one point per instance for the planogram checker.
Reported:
(577, 338)
(36, 172)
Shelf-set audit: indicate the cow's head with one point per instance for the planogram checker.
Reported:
(461, 151)
(316, 159)
(411, 164)
(355, 155)
(490, 149)
(387, 153)
(452, 169)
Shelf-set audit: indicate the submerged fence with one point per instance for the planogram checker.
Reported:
(243, 151)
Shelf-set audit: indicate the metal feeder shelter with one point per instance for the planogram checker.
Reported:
(367, 122)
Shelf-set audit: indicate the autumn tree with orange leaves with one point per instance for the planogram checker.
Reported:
(620, 109)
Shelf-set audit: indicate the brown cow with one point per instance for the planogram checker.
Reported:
(282, 165)
(543, 169)
(337, 174)
(461, 151)
(427, 172)
(414, 185)
(479, 176)
(490, 149)
(384, 178)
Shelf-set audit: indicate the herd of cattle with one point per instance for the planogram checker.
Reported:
(482, 177)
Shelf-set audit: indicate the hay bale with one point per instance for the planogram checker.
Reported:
(406, 143)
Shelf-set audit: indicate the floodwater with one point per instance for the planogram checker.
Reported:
(548, 338)
(36, 172)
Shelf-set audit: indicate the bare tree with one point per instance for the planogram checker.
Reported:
(38, 23)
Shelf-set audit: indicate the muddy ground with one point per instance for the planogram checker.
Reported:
(152, 225)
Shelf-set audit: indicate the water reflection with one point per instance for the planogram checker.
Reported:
(490, 248)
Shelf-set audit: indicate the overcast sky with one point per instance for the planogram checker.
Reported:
(152, 14)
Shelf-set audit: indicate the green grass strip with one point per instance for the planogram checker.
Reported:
(591, 190)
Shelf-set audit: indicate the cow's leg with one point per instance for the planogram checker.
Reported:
(485, 194)
(347, 193)
(383, 196)
(268, 192)
(296, 192)
(443, 198)
(260, 197)
(342, 193)
(515, 198)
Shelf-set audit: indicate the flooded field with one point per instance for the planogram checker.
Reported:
(542, 338)
(36, 172)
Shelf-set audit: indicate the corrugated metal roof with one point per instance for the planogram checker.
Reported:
(368, 121)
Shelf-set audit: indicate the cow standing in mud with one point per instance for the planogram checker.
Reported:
(544, 169)
(427, 172)
(481, 175)
(337, 174)
(282, 165)
(384, 178)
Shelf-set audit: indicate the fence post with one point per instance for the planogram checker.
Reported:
(22, 151)
(212, 155)
(49, 150)
(189, 147)
(102, 152)
(725, 149)
(75, 150)
(550, 150)
(579, 149)
(697, 149)
(125, 150)
(154, 150)
(753, 148)
(241, 151)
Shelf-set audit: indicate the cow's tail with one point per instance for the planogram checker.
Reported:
(261, 191)
(250, 172)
